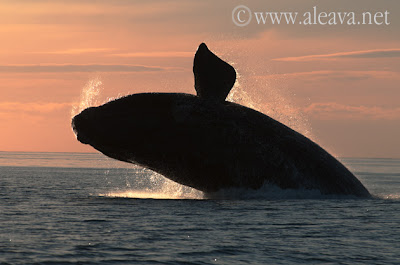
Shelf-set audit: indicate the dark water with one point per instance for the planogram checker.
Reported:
(85, 209)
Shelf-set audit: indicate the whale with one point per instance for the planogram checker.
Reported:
(207, 143)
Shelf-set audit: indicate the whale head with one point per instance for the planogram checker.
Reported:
(134, 118)
(123, 125)
(157, 130)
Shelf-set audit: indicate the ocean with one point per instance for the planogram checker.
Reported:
(70, 208)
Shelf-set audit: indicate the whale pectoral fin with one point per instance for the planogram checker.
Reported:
(213, 78)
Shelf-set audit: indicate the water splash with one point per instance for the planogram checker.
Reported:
(240, 96)
(388, 196)
(277, 104)
(90, 95)
(159, 188)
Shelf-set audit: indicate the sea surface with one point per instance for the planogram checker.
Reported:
(69, 208)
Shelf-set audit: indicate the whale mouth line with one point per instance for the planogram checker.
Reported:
(80, 135)
(80, 126)
(83, 139)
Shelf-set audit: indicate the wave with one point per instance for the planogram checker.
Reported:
(150, 194)
(151, 185)
(176, 191)
(156, 187)
(273, 192)
(395, 197)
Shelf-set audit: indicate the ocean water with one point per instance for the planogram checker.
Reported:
(66, 208)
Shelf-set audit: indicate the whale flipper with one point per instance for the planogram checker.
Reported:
(213, 78)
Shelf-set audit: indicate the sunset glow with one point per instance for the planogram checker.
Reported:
(340, 84)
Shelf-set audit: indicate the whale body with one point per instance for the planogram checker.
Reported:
(208, 143)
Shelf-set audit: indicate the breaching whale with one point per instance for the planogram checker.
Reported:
(208, 143)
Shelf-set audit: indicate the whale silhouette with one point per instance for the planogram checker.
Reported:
(208, 143)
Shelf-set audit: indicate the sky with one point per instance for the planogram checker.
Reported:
(337, 84)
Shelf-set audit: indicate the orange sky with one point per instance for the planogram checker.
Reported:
(337, 84)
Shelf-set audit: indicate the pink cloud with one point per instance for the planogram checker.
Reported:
(378, 53)
(33, 107)
(69, 68)
(155, 54)
(332, 110)
(76, 51)
(338, 75)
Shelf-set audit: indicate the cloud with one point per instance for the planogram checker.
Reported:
(33, 107)
(154, 54)
(29, 115)
(332, 111)
(380, 53)
(178, 18)
(76, 51)
(68, 68)
(335, 75)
